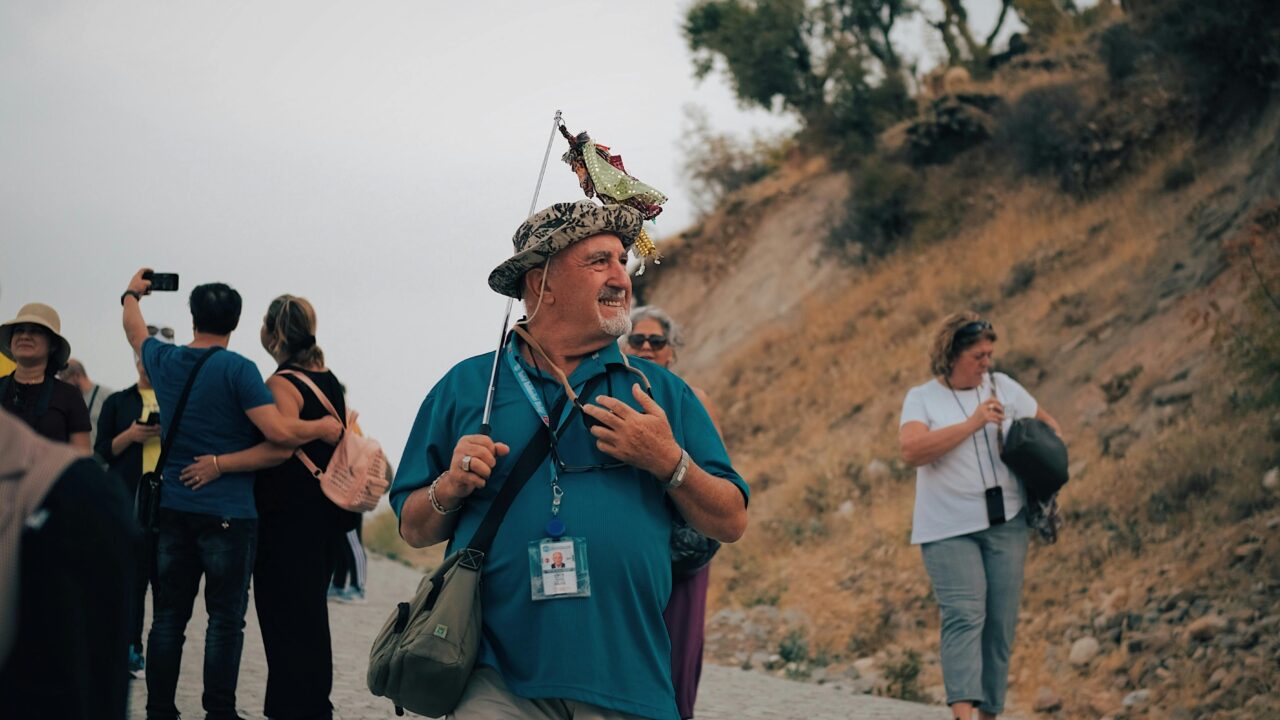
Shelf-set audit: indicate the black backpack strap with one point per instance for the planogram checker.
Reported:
(46, 394)
(46, 397)
(530, 458)
(182, 405)
(535, 451)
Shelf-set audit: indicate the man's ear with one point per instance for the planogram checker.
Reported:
(534, 287)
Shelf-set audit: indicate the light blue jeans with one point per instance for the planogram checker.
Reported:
(977, 579)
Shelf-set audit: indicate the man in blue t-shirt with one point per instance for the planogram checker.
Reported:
(206, 528)
(569, 632)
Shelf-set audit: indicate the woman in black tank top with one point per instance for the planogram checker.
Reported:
(297, 524)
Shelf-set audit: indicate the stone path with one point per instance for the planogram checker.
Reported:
(725, 694)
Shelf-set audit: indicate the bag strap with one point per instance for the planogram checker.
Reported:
(530, 458)
(299, 453)
(42, 403)
(182, 405)
(315, 389)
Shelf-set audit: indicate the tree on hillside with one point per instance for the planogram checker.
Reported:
(832, 62)
(954, 28)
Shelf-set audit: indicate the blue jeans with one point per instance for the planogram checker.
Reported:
(222, 550)
(977, 579)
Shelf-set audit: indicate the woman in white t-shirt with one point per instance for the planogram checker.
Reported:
(970, 518)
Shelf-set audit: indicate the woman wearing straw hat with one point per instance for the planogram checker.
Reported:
(56, 410)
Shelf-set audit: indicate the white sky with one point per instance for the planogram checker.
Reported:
(374, 157)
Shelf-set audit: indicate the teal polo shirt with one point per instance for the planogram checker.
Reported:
(610, 649)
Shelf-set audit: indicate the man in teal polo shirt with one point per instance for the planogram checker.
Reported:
(586, 640)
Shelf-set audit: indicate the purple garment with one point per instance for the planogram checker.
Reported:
(686, 617)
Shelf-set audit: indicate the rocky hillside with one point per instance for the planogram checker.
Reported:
(1131, 310)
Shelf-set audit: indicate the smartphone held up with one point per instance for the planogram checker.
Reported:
(162, 282)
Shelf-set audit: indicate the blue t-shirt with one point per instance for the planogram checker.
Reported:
(213, 423)
(610, 649)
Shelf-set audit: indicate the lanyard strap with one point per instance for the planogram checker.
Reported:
(527, 385)
(995, 477)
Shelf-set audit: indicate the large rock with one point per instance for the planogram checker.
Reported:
(1083, 651)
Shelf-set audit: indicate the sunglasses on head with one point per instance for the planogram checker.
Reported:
(153, 330)
(974, 328)
(637, 341)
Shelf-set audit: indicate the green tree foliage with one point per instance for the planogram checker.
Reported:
(831, 62)
(764, 46)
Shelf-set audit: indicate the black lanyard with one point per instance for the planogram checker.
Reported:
(995, 479)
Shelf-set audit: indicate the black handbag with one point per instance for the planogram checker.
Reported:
(1035, 453)
(146, 501)
(690, 550)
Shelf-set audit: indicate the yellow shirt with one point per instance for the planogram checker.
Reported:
(6, 366)
(151, 447)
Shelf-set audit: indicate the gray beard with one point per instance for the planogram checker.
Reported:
(616, 326)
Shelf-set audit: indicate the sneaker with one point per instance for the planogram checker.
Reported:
(336, 593)
(353, 595)
(137, 663)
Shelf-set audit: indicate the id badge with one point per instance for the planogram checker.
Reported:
(558, 568)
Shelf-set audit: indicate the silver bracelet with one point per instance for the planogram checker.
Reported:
(677, 477)
(435, 504)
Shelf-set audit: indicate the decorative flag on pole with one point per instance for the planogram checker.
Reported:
(602, 175)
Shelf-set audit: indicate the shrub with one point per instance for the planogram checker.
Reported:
(1221, 43)
(1121, 48)
(1042, 130)
(882, 209)
(902, 676)
(1179, 174)
(794, 647)
(717, 164)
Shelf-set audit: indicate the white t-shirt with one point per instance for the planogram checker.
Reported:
(950, 491)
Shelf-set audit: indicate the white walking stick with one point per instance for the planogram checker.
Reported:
(485, 427)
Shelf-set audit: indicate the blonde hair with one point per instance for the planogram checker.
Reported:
(291, 331)
(945, 348)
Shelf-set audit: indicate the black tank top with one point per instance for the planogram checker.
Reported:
(289, 487)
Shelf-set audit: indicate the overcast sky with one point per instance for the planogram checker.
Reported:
(374, 157)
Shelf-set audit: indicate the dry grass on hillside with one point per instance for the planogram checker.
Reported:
(813, 397)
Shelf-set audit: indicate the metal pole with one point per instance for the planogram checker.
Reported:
(485, 427)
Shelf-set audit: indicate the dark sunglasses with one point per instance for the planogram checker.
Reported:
(153, 330)
(637, 341)
(974, 328)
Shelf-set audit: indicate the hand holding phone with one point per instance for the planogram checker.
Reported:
(152, 419)
(162, 282)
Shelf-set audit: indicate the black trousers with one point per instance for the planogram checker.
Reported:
(290, 582)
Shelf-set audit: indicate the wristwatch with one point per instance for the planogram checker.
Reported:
(136, 295)
(677, 477)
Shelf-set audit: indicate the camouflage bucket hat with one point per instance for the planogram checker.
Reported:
(555, 228)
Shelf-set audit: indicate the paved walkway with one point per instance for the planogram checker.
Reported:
(725, 694)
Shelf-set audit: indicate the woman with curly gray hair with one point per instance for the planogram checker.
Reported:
(971, 514)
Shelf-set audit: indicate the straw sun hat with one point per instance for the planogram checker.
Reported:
(47, 318)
